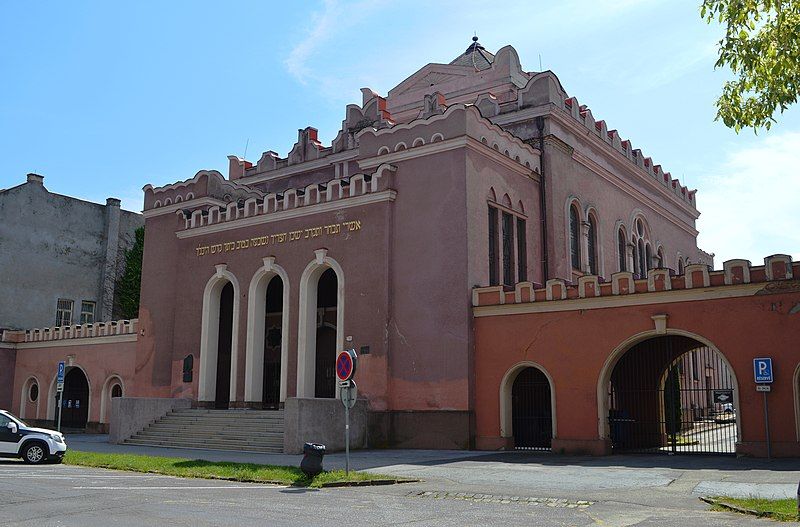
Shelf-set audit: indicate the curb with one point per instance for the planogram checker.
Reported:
(367, 483)
(749, 512)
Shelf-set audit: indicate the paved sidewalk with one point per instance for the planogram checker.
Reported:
(542, 474)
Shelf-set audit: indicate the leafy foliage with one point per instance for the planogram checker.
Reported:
(762, 48)
(130, 282)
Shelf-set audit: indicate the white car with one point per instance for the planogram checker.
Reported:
(33, 445)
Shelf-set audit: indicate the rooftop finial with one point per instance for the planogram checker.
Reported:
(475, 38)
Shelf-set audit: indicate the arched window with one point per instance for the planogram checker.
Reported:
(641, 268)
(574, 237)
(188, 366)
(33, 393)
(660, 257)
(116, 391)
(621, 249)
(592, 245)
(648, 261)
(680, 265)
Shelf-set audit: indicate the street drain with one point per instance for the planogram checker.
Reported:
(494, 498)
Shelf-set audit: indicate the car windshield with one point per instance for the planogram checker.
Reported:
(13, 417)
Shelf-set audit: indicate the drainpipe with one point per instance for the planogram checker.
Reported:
(543, 200)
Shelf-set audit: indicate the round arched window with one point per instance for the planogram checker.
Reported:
(33, 393)
(116, 391)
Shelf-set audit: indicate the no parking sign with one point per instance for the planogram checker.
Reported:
(346, 362)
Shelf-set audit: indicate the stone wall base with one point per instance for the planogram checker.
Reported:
(442, 429)
(759, 449)
(322, 421)
(131, 414)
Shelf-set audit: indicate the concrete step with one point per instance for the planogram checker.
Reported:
(237, 430)
(210, 435)
(215, 442)
(202, 446)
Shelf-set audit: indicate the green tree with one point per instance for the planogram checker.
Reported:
(672, 402)
(130, 282)
(762, 48)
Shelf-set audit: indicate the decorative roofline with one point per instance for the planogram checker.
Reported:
(59, 333)
(777, 268)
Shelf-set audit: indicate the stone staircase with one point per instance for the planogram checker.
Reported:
(240, 430)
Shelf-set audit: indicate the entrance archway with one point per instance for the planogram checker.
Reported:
(321, 328)
(75, 400)
(527, 407)
(267, 333)
(669, 393)
(219, 339)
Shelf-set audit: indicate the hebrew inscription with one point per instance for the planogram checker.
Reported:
(321, 231)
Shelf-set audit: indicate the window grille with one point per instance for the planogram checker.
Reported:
(522, 251)
(87, 312)
(623, 256)
(493, 275)
(508, 249)
(574, 238)
(64, 312)
(592, 246)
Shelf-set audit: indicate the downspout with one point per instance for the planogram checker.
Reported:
(543, 199)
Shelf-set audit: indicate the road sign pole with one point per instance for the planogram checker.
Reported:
(60, 408)
(347, 434)
(766, 424)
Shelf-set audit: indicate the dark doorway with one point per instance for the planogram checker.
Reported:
(327, 297)
(531, 410)
(273, 325)
(75, 401)
(224, 342)
(675, 395)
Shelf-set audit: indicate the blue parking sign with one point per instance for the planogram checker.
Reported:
(60, 372)
(762, 368)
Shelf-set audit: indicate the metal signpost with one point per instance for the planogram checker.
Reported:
(346, 362)
(762, 369)
(60, 391)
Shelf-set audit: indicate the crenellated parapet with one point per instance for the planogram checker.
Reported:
(778, 273)
(52, 334)
(338, 189)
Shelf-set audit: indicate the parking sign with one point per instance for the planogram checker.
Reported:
(60, 377)
(762, 368)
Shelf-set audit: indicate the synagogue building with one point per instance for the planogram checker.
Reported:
(511, 271)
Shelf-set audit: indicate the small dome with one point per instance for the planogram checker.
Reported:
(475, 56)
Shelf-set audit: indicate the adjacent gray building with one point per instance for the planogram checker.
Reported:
(60, 257)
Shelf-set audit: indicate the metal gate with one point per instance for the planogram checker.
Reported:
(672, 394)
(531, 413)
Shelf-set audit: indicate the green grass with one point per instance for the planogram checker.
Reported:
(782, 510)
(196, 468)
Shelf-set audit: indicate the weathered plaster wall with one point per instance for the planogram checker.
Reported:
(54, 246)
(741, 328)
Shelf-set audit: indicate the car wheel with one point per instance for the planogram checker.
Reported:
(34, 453)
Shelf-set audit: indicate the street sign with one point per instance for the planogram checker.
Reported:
(349, 394)
(762, 368)
(763, 388)
(346, 364)
(60, 377)
(723, 396)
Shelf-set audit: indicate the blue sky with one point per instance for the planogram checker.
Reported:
(103, 97)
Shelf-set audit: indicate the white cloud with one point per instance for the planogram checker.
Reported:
(749, 204)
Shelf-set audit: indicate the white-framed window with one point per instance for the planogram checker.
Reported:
(64, 312)
(87, 312)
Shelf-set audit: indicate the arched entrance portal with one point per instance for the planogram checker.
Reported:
(672, 394)
(325, 378)
(225, 336)
(531, 410)
(75, 400)
(273, 338)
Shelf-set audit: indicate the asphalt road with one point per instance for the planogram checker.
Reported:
(73, 496)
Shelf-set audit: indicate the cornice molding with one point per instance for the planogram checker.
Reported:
(307, 210)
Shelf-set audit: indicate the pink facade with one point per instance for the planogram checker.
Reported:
(466, 174)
